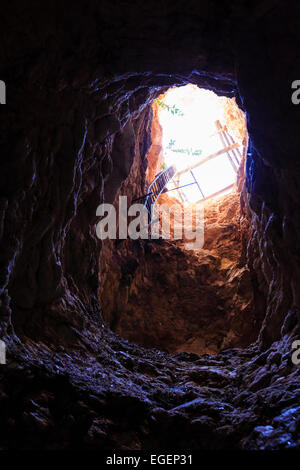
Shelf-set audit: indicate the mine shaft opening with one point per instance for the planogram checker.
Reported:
(168, 297)
(204, 137)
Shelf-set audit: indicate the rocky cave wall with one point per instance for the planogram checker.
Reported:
(79, 86)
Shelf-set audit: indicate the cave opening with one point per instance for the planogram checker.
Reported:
(205, 137)
(156, 293)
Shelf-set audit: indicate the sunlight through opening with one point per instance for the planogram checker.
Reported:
(200, 126)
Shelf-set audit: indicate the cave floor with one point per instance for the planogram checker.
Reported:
(116, 395)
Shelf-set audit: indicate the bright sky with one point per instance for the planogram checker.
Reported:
(193, 131)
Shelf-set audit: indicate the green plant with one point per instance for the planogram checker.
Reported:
(172, 109)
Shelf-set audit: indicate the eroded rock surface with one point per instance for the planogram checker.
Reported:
(80, 83)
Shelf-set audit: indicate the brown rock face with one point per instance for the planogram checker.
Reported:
(175, 299)
(75, 131)
(155, 156)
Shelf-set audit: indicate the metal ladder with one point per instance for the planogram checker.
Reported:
(156, 188)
